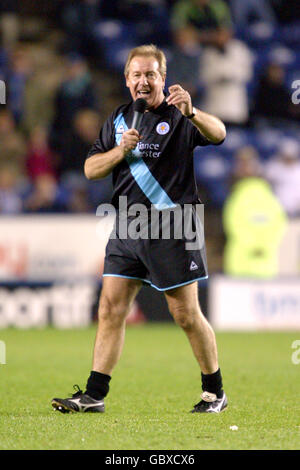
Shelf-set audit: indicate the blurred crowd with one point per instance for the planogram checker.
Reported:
(62, 65)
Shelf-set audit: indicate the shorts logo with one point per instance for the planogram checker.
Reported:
(162, 128)
(193, 266)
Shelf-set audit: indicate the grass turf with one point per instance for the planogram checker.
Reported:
(154, 386)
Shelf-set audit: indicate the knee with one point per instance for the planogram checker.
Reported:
(112, 313)
(184, 316)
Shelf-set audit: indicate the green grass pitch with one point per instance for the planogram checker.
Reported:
(153, 388)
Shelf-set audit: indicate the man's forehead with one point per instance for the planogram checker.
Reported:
(143, 63)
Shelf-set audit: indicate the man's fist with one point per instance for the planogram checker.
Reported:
(130, 140)
(181, 99)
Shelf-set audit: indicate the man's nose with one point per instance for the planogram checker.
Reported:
(144, 80)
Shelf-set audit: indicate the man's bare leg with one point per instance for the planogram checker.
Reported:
(184, 307)
(116, 300)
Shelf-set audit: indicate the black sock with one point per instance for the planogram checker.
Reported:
(97, 385)
(212, 383)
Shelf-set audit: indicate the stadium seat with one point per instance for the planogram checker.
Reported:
(115, 39)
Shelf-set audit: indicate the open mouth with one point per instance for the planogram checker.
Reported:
(143, 93)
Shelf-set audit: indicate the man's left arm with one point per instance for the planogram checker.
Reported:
(210, 126)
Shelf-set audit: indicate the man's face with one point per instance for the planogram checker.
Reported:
(145, 81)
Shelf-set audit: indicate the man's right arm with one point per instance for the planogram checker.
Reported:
(100, 165)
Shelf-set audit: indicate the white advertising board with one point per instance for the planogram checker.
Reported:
(243, 304)
(289, 251)
(58, 247)
(61, 305)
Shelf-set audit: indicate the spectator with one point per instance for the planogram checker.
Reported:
(195, 23)
(83, 132)
(84, 195)
(3, 58)
(19, 69)
(78, 20)
(79, 200)
(9, 22)
(75, 93)
(150, 17)
(40, 159)
(225, 72)
(10, 200)
(272, 101)
(246, 164)
(247, 12)
(46, 196)
(12, 143)
(200, 22)
(203, 31)
(253, 221)
(283, 172)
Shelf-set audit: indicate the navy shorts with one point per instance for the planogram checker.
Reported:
(158, 262)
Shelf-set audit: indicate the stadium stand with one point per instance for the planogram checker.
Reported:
(40, 57)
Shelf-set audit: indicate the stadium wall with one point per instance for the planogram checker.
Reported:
(51, 268)
(253, 305)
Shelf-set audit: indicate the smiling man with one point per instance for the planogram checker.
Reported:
(153, 167)
(145, 78)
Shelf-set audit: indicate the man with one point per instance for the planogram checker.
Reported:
(253, 231)
(202, 22)
(171, 128)
(283, 173)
